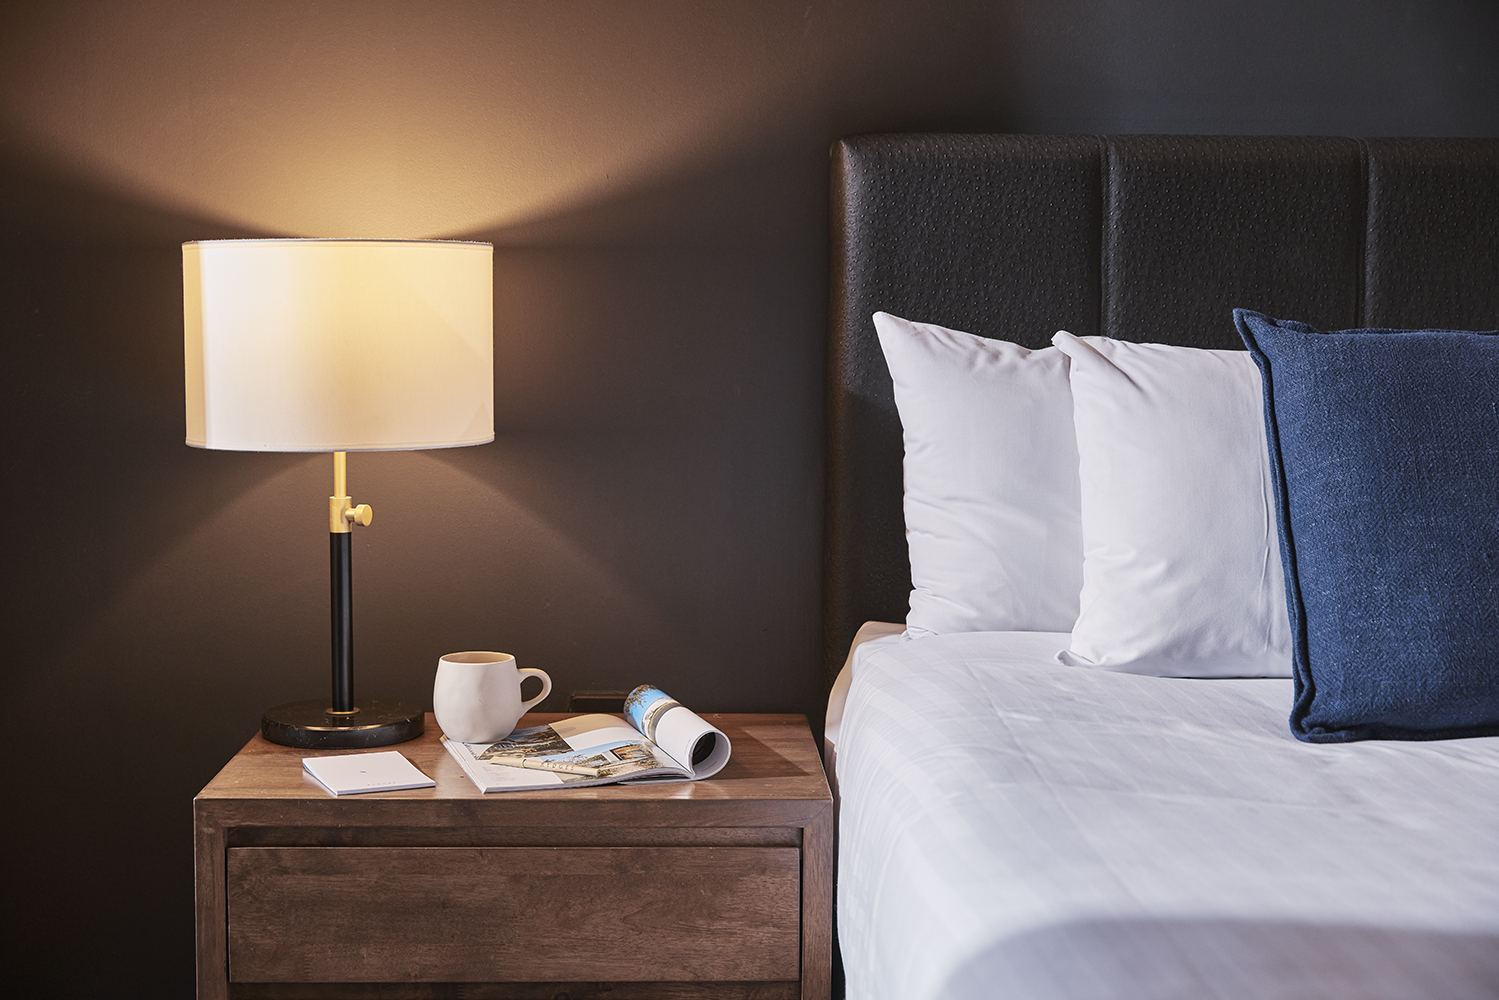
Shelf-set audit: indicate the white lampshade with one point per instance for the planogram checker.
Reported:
(338, 345)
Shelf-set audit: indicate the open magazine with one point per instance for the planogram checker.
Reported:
(661, 741)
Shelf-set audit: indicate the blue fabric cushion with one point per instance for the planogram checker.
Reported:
(1384, 446)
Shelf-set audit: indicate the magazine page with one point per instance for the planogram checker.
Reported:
(586, 750)
(662, 741)
(701, 749)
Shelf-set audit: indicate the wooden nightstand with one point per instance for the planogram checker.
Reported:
(717, 888)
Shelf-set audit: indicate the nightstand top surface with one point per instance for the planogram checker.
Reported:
(774, 760)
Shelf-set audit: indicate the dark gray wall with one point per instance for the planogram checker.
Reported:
(654, 178)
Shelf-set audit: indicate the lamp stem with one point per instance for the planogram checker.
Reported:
(314, 723)
(341, 575)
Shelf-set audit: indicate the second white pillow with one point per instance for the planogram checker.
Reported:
(1181, 560)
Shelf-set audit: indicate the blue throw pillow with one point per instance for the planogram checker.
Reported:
(1384, 447)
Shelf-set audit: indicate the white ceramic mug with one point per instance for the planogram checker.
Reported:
(477, 695)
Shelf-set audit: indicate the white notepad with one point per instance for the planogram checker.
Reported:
(350, 774)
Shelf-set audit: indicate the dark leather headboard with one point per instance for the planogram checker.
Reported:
(1143, 238)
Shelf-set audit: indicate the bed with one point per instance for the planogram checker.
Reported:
(1027, 812)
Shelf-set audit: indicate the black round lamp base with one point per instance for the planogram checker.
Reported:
(310, 724)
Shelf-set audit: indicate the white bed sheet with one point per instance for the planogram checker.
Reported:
(1012, 827)
(870, 637)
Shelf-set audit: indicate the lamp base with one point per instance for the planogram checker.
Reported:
(310, 724)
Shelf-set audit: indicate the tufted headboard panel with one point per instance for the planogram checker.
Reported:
(1143, 238)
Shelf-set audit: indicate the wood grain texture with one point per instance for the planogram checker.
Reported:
(818, 868)
(516, 991)
(518, 836)
(209, 903)
(330, 914)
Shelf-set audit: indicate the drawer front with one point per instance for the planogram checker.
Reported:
(517, 914)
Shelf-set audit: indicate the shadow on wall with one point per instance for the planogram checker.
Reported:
(651, 509)
(419, 121)
(651, 501)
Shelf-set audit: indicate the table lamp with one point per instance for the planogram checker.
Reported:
(339, 346)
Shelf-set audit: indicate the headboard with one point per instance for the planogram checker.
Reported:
(1143, 238)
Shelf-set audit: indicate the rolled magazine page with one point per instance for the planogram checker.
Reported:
(680, 732)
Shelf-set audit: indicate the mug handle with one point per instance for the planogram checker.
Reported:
(546, 686)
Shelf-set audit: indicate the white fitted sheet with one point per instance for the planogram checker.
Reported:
(1012, 827)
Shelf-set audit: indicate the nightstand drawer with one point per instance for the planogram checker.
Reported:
(497, 914)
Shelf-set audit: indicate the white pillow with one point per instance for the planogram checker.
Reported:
(1181, 559)
(991, 491)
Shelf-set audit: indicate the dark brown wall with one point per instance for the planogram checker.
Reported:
(653, 177)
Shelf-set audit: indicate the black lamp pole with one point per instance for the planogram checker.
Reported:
(376, 723)
(341, 572)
